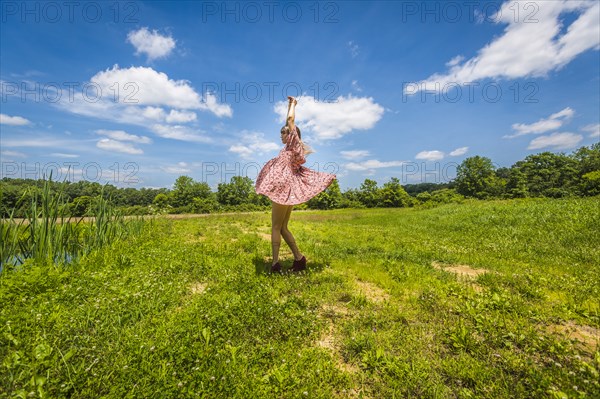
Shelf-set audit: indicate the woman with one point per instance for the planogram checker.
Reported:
(287, 183)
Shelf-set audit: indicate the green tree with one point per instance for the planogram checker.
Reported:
(516, 185)
(239, 190)
(549, 175)
(588, 160)
(475, 177)
(330, 198)
(369, 193)
(393, 195)
(161, 201)
(185, 189)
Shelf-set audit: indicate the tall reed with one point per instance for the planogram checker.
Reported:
(49, 234)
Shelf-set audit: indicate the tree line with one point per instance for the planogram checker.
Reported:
(544, 174)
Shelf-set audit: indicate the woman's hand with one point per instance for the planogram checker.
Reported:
(292, 100)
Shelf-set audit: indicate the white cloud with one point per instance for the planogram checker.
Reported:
(355, 86)
(430, 155)
(13, 120)
(137, 87)
(41, 141)
(145, 86)
(146, 98)
(253, 144)
(354, 154)
(455, 60)
(180, 116)
(63, 155)
(335, 119)
(557, 141)
(124, 136)
(180, 168)
(154, 113)
(178, 132)
(118, 146)
(13, 154)
(593, 130)
(459, 151)
(353, 47)
(372, 164)
(153, 44)
(553, 122)
(526, 48)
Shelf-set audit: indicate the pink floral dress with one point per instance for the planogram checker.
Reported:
(285, 181)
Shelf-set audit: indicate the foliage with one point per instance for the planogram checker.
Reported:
(239, 190)
(538, 175)
(184, 309)
(49, 233)
(330, 198)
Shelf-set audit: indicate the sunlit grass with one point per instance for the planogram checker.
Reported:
(185, 309)
(48, 235)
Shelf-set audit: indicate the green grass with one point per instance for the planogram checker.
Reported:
(186, 310)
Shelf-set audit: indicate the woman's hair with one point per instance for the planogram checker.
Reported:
(307, 149)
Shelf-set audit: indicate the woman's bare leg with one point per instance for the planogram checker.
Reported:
(287, 235)
(277, 219)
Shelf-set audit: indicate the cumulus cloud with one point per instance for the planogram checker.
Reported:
(332, 120)
(430, 155)
(179, 132)
(124, 136)
(556, 141)
(180, 168)
(525, 49)
(13, 120)
(118, 146)
(145, 98)
(372, 164)
(63, 155)
(13, 154)
(459, 151)
(180, 116)
(153, 44)
(145, 86)
(252, 144)
(544, 125)
(354, 154)
(593, 130)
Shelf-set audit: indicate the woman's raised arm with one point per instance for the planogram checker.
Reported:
(291, 115)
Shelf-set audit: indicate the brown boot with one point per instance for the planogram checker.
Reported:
(299, 265)
(276, 268)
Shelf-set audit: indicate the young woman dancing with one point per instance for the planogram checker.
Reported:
(287, 183)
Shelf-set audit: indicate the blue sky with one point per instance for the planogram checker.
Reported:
(138, 93)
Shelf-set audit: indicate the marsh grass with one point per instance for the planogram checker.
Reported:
(185, 309)
(47, 235)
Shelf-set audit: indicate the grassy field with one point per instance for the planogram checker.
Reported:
(478, 300)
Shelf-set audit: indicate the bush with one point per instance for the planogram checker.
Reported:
(439, 197)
